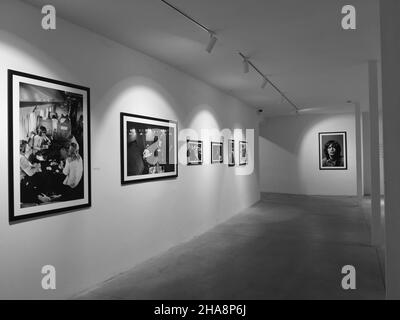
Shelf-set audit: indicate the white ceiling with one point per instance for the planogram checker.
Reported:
(299, 44)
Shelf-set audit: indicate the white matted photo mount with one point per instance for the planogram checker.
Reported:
(49, 146)
(333, 150)
(149, 148)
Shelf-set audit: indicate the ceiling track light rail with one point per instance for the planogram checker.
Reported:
(247, 61)
(212, 34)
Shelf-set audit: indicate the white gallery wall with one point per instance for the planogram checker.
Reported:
(126, 224)
(289, 155)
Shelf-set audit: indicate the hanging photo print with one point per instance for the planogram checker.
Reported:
(149, 148)
(231, 153)
(217, 152)
(332, 151)
(49, 146)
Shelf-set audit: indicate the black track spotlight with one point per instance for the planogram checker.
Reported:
(211, 42)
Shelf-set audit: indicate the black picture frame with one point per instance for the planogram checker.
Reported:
(340, 163)
(29, 92)
(217, 152)
(231, 153)
(194, 150)
(243, 153)
(140, 161)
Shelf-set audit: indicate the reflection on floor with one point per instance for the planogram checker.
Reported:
(284, 247)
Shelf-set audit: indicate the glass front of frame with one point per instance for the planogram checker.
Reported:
(243, 155)
(194, 152)
(149, 148)
(231, 153)
(332, 151)
(49, 146)
(217, 152)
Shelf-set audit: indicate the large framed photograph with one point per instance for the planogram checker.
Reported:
(194, 152)
(49, 146)
(231, 153)
(243, 155)
(149, 148)
(217, 152)
(332, 151)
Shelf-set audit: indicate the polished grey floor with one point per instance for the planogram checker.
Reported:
(284, 247)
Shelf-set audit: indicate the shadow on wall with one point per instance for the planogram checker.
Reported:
(290, 136)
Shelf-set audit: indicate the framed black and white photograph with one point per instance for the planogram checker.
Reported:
(217, 152)
(49, 146)
(332, 151)
(149, 148)
(231, 153)
(194, 152)
(243, 156)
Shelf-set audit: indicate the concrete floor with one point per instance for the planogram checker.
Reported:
(284, 247)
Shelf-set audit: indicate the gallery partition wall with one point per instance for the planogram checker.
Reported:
(309, 154)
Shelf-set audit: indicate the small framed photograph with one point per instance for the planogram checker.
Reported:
(194, 152)
(332, 150)
(149, 148)
(231, 153)
(243, 156)
(217, 152)
(49, 146)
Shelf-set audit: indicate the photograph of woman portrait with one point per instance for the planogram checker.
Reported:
(332, 151)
